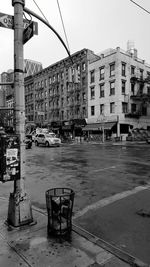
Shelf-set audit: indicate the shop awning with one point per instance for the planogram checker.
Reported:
(98, 126)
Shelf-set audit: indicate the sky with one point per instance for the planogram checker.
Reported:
(93, 24)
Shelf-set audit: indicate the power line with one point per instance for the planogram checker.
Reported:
(140, 6)
(40, 11)
(63, 25)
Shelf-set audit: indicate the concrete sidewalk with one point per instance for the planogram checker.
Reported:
(123, 221)
(31, 246)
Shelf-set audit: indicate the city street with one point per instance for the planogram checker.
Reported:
(110, 183)
(93, 171)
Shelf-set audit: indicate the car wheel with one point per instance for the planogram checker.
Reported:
(36, 143)
(47, 144)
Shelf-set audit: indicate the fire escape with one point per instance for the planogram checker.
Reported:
(140, 96)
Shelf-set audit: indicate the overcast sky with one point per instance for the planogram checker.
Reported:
(93, 24)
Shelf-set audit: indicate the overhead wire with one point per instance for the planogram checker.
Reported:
(63, 25)
(40, 11)
(140, 6)
(61, 21)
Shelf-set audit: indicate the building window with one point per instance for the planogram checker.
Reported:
(148, 90)
(62, 115)
(112, 88)
(45, 82)
(141, 87)
(144, 111)
(132, 70)
(123, 69)
(141, 73)
(62, 88)
(112, 69)
(84, 97)
(67, 99)
(83, 111)
(92, 110)
(92, 76)
(102, 73)
(102, 90)
(83, 81)
(83, 66)
(133, 108)
(112, 107)
(124, 107)
(92, 92)
(102, 109)
(62, 102)
(133, 88)
(148, 75)
(123, 87)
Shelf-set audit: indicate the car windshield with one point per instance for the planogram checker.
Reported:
(50, 135)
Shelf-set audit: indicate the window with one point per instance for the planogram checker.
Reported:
(84, 97)
(62, 101)
(132, 70)
(83, 111)
(102, 109)
(62, 88)
(67, 99)
(148, 75)
(45, 82)
(112, 88)
(92, 76)
(112, 69)
(112, 107)
(92, 92)
(141, 73)
(144, 110)
(83, 81)
(133, 108)
(102, 90)
(148, 90)
(124, 107)
(67, 114)
(133, 88)
(83, 66)
(123, 87)
(62, 115)
(123, 69)
(102, 73)
(141, 89)
(92, 110)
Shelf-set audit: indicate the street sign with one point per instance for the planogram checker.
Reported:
(7, 21)
(30, 31)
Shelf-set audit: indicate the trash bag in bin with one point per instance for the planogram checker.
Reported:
(59, 203)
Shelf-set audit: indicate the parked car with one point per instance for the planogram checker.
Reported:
(47, 139)
(28, 141)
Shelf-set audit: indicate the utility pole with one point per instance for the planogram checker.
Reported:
(19, 210)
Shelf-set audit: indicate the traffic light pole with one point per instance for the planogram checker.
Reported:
(19, 210)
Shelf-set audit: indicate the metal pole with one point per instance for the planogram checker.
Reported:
(19, 211)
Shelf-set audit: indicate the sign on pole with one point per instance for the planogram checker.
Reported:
(7, 21)
(30, 31)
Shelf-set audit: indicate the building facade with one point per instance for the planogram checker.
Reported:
(60, 94)
(7, 92)
(118, 93)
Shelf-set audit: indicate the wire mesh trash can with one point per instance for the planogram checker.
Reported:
(59, 203)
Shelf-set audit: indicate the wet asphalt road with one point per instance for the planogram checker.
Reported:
(93, 171)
